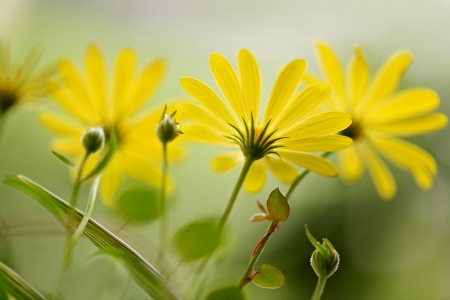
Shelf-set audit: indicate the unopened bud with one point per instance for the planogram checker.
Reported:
(325, 266)
(93, 139)
(167, 129)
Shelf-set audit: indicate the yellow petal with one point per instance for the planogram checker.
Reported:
(96, 72)
(359, 76)
(282, 170)
(319, 125)
(227, 161)
(310, 162)
(382, 178)
(256, 177)
(144, 171)
(388, 77)
(60, 125)
(123, 77)
(208, 98)
(302, 105)
(319, 144)
(332, 69)
(284, 89)
(311, 78)
(350, 164)
(202, 134)
(414, 126)
(202, 116)
(229, 85)
(110, 181)
(251, 82)
(147, 83)
(68, 146)
(406, 104)
(423, 178)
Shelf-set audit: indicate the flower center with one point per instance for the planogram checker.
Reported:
(354, 131)
(255, 142)
(7, 99)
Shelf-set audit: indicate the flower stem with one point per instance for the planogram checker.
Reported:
(162, 211)
(319, 288)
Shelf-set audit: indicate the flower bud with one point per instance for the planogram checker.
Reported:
(325, 266)
(93, 139)
(167, 129)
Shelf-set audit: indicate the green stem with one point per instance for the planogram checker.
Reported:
(162, 210)
(319, 288)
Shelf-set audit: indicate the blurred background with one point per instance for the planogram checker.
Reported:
(389, 250)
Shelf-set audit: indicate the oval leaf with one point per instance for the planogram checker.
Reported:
(228, 293)
(197, 239)
(139, 203)
(64, 159)
(268, 277)
(278, 206)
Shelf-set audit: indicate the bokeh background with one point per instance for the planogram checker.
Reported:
(389, 250)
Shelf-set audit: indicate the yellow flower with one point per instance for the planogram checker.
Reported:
(93, 100)
(18, 83)
(381, 115)
(285, 134)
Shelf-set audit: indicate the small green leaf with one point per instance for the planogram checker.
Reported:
(197, 239)
(14, 285)
(268, 277)
(278, 206)
(316, 244)
(139, 203)
(64, 159)
(104, 162)
(228, 293)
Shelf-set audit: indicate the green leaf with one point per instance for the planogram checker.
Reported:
(104, 162)
(144, 274)
(197, 239)
(227, 293)
(316, 244)
(278, 206)
(268, 277)
(64, 159)
(14, 285)
(139, 203)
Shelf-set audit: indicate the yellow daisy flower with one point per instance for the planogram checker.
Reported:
(19, 84)
(91, 101)
(380, 116)
(285, 134)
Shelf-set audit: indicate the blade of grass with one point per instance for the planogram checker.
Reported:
(16, 286)
(145, 275)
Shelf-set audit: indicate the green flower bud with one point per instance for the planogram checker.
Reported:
(93, 139)
(167, 129)
(325, 265)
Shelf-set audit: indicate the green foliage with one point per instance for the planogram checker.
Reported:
(197, 239)
(278, 206)
(268, 277)
(227, 293)
(14, 285)
(139, 203)
(64, 159)
(144, 274)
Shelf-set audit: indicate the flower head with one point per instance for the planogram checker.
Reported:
(90, 102)
(19, 84)
(285, 133)
(380, 117)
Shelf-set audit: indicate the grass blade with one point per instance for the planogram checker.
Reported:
(145, 275)
(15, 286)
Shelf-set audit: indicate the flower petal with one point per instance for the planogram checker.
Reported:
(228, 83)
(110, 181)
(333, 71)
(350, 164)
(200, 115)
(314, 163)
(359, 76)
(208, 98)
(284, 89)
(202, 134)
(414, 126)
(319, 125)
(256, 177)
(251, 82)
(226, 161)
(68, 146)
(282, 170)
(60, 125)
(123, 77)
(381, 176)
(96, 73)
(319, 144)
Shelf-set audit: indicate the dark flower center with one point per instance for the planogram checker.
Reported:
(353, 131)
(7, 99)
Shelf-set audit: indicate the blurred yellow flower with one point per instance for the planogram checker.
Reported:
(380, 115)
(18, 84)
(284, 136)
(91, 101)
